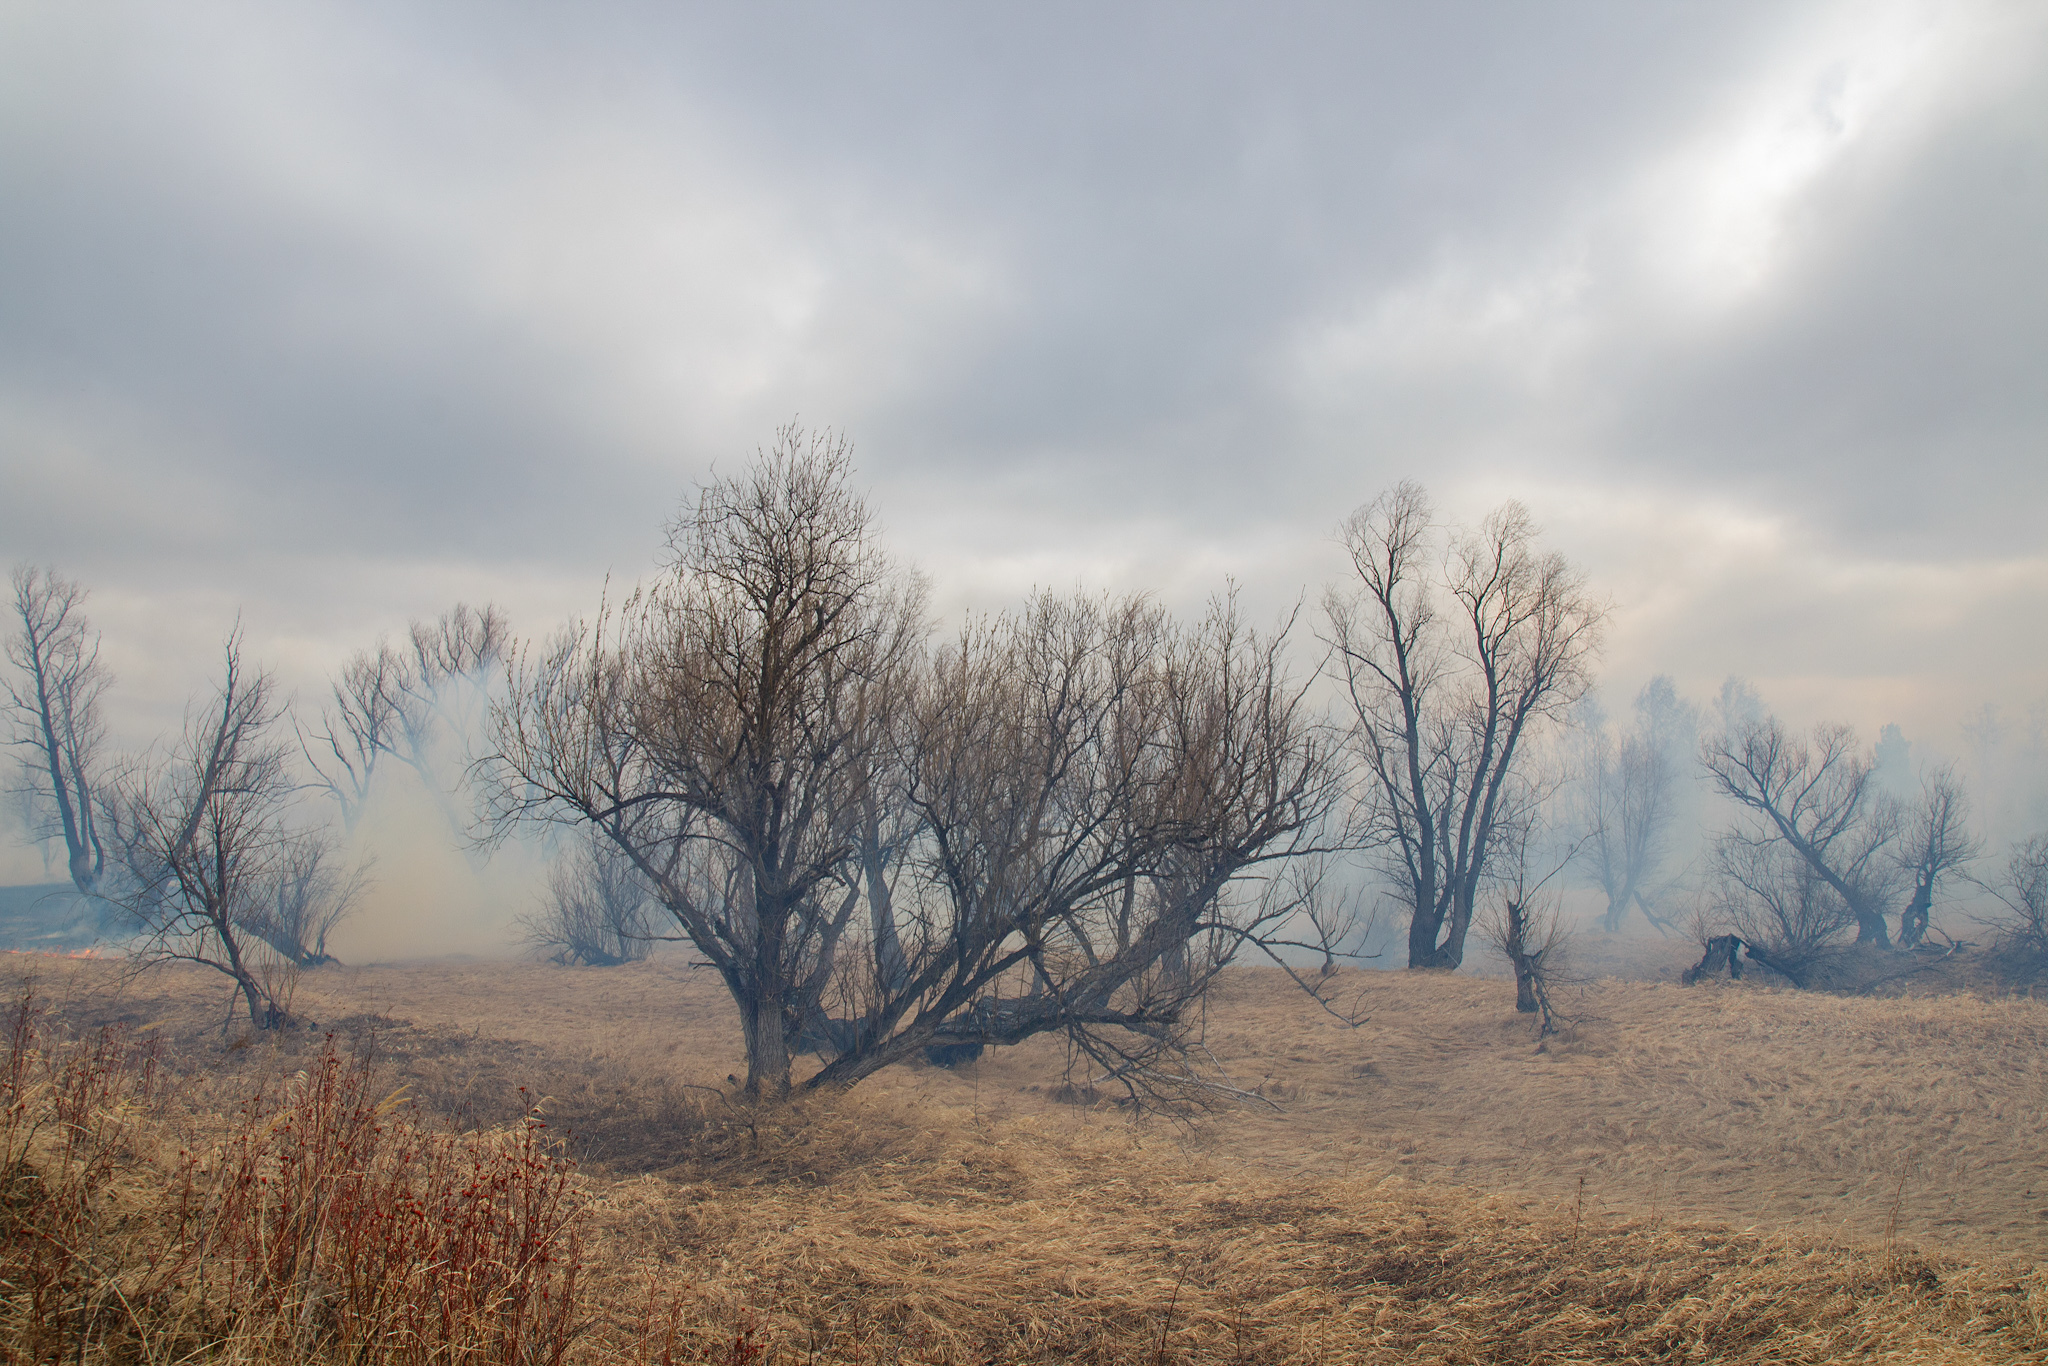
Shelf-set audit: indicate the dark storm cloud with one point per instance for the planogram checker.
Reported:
(348, 310)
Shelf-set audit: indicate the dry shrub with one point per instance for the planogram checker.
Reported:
(328, 1225)
(335, 1225)
(68, 1133)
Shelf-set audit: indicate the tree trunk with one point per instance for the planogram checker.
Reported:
(1870, 927)
(1424, 949)
(761, 1021)
(890, 964)
(1525, 963)
(1913, 920)
(1422, 931)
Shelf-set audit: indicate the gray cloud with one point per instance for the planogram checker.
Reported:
(336, 313)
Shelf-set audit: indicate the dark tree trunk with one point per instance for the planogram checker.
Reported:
(1526, 963)
(1870, 927)
(1913, 920)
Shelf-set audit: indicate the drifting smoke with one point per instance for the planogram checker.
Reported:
(429, 896)
(411, 817)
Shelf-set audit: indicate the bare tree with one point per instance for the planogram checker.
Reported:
(597, 911)
(1631, 800)
(2022, 889)
(53, 713)
(311, 893)
(1447, 677)
(765, 737)
(723, 734)
(1523, 925)
(1934, 846)
(1102, 793)
(1818, 800)
(1776, 904)
(412, 703)
(213, 865)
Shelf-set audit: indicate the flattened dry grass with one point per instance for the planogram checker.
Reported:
(1015, 1244)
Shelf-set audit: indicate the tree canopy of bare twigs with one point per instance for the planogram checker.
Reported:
(414, 703)
(882, 848)
(52, 698)
(2022, 891)
(1095, 785)
(596, 908)
(1816, 799)
(1452, 658)
(1823, 846)
(213, 864)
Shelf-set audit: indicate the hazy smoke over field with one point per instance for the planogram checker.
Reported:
(427, 895)
(394, 748)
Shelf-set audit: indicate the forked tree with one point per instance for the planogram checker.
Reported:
(52, 703)
(1936, 843)
(881, 849)
(1452, 658)
(213, 863)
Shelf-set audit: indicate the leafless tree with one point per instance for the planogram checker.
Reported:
(412, 703)
(1774, 901)
(1934, 846)
(1451, 662)
(1524, 925)
(597, 909)
(1036, 821)
(1630, 792)
(213, 864)
(52, 699)
(1816, 799)
(311, 892)
(1105, 799)
(2022, 890)
(722, 729)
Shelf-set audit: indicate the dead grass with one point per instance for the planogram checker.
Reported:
(1023, 1247)
(1437, 1188)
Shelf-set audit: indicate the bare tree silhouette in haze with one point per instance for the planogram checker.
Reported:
(2021, 888)
(766, 737)
(215, 865)
(53, 693)
(1630, 790)
(417, 704)
(1824, 845)
(595, 910)
(1452, 657)
(1935, 845)
(1815, 799)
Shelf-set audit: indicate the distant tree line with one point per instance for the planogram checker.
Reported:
(1064, 819)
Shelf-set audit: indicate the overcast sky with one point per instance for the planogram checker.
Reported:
(334, 314)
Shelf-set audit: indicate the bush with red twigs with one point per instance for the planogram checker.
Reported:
(327, 1224)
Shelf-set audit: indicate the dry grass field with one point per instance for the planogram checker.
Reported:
(1726, 1172)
